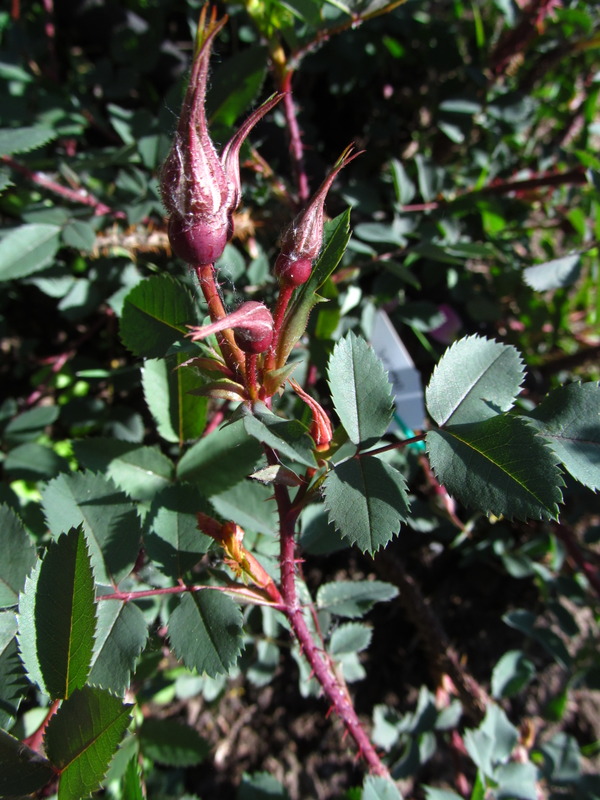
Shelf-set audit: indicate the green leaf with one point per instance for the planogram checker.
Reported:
(82, 738)
(377, 788)
(132, 782)
(27, 249)
(569, 418)
(22, 771)
(261, 786)
(556, 274)
(140, 471)
(34, 462)
(109, 521)
(440, 794)
(179, 415)
(22, 140)
(353, 598)
(30, 424)
(236, 82)
(206, 632)
(171, 534)
(517, 780)
(352, 637)
(79, 235)
(366, 500)
(13, 683)
(288, 437)
(360, 390)
(155, 315)
(172, 743)
(499, 466)
(121, 634)
(475, 379)
(63, 621)
(221, 459)
(249, 505)
(26, 622)
(18, 556)
(511, 674)
(526, 622)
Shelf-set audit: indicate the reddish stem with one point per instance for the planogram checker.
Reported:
(296, 146)
(332, 684)
(232, 354)
(248, 593)
(75, 196)
(251, 376)
(35, 740)
(283, 300)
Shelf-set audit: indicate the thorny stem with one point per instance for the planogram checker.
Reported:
(251, 376)
(73, 195)
(296, 147)
(231, 352)
(283, 300)
(332, 684)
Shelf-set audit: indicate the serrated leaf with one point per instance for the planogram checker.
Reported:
(249, 505)
(22, 771)
(132, 782)
(569, 419)
(352, 637)
(80, 235)
(27, 249)
(288, 437)
(205, 631)
(34, 462)
(14, 686)
(172, 743)
(140, 471)
(155, 315)
(556, 274)
(82, 737)
(360, 390)
(179, 415)
(171, 534)
(18, 556)
(353, 598)
(221, 459)
(63, 621)
(475, 379)
(377, 788)
(26, 619)
(22, 140)
(367, 501)
(499, 466)
(236, 84)
(121, 634)
(109, 521)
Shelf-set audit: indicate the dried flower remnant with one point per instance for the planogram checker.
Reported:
(199, 189)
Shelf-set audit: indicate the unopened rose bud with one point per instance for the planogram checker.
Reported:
(252, 324)
(199, 189)
(303, 240)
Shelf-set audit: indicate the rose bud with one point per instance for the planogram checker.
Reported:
(252, 324)
(199, 189)
(302, 241)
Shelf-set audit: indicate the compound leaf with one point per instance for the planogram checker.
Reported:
(475, 379)
(499, 466)
(63, 621)
(360, 390)
(109, 521)
(366, 500)
(353, 598)
(82, 738)
(569, 418)
(216, 622)
(155, 315)
(120, 638)
(22, 770)
(18, 556)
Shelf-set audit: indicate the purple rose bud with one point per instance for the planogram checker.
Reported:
(199, 189)
(302, 241)
(252, 324)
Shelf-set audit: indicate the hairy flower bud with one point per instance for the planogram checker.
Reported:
(199, 189)
(252, 324)
(302, 241)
